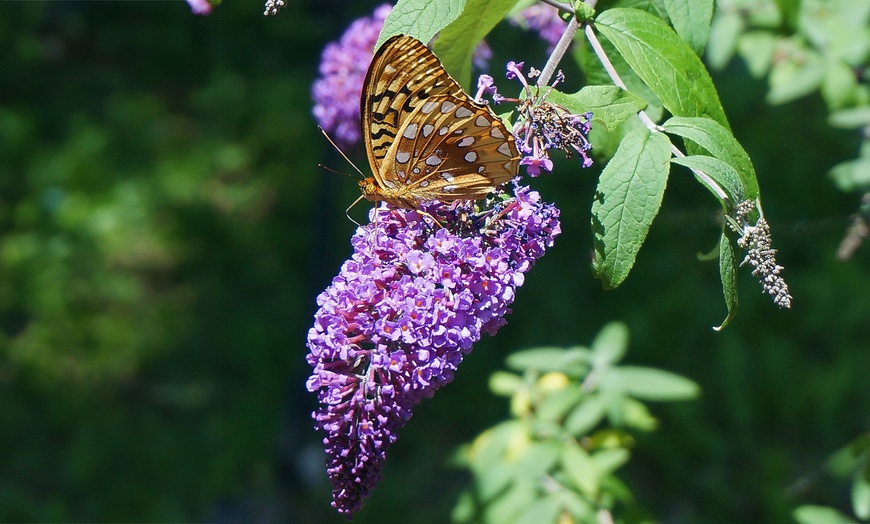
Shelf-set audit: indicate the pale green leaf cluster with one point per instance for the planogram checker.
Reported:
(573, 411)
(813, 46)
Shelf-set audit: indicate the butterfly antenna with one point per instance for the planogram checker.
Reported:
(341, 153)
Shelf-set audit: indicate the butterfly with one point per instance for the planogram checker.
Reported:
(425, 138)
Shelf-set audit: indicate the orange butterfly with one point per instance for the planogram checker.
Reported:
(426, 139)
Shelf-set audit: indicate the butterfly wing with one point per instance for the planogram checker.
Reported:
(402, 75)
(450, 148)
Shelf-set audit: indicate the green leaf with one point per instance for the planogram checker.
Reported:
(798, 74)
(580, 467)
(505, 384)
(691, 20)
(610, 105)
(609, 460)
(852, 118)
(586, 416)
(719, 142)
(556, 404)
(728, 275)
(726, 28)
(610, 343)
(756, 48)
(636, 415)
(840, 88)
(542, 511)
(820, 515)
(861, 491)
(723, 174)
(663, 61)
(421, 19)
(537, 459)
(487, 456)
(656, 384)
(627, 200)
(456, 42)
(545, 359)
(853, 175)
(507, 504)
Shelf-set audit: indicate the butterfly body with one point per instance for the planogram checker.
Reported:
(426, 139)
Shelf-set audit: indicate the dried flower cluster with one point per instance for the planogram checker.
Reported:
(396, 322)
(542, 125)
(273, 7)
(756, 240)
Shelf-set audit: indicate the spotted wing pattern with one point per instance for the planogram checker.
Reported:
(427, 139)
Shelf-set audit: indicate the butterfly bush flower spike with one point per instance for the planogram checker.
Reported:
(542, 125)
(199, 7)
(343, 68)
(756, 240)
(544, 20)
(406, 308)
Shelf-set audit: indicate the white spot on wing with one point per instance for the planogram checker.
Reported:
(410, 131)
(449, 188)
(481, 121)
(463, 112)
(505, 149)
(428, 107)
(447, 107)
(471, 156)
(447, 176)
(481, 169)
(433, 161)
(443, 131)
(424, 183)
(465, 142)
(427, 130)
(402, 157)
(496, 133)
(390, 184)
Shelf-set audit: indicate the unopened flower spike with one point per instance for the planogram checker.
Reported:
(542, 125)
(756, 240)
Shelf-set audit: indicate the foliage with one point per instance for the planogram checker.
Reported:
(573, 411)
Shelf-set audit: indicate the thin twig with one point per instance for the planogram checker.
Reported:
(559, 51)
(655, 128)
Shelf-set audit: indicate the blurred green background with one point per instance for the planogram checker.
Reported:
(165, 229)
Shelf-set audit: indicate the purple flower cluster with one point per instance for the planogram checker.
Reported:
(199, 7)
(343, 67)
(543, 19)
(396, 322)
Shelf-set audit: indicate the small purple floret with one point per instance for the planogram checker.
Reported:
(535, 164)
(406, 308)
